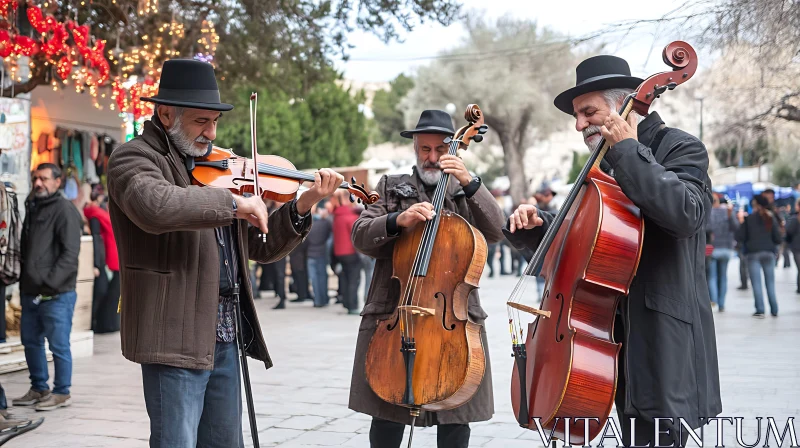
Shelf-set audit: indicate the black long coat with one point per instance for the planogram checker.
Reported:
(671, 350)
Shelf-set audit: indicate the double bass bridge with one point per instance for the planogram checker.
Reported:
(417, 310)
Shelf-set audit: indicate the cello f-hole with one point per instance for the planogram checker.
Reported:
(444, 313)
(393, 325)
(559, 335)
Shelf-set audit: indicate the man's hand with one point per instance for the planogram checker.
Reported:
(524, 217)
(326, 181)
(254, 210)
(96, 272)
(420, 212)
(455, 166)
(615, 129)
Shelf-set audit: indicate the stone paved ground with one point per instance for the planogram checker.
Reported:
(302, 401)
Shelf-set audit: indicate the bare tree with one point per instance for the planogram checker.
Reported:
(512, 69)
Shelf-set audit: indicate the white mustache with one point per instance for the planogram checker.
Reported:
(590, 130)
(202, 139)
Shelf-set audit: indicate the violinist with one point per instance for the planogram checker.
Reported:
(405, 203)
(668, 364)
(183, 253)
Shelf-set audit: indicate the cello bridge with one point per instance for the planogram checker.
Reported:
(417, 310)
(529, 309)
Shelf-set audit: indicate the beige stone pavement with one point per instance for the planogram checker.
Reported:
(302, 401)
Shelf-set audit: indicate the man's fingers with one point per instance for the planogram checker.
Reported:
(512, 224)
(524, 219)
(632, 119)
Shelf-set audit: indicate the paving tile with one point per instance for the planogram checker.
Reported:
(302, 400)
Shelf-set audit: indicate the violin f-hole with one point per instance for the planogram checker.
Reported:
(444, 313)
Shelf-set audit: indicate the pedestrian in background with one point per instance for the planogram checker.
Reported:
(760, 234)
(722, 225)
(51, 241)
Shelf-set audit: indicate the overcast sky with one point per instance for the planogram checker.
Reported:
(371, 60)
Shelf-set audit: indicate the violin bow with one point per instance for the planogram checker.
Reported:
(256, 190)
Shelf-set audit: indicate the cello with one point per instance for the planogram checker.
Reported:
(428, 354)
(565, 363)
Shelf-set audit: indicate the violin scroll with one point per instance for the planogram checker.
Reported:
(360, 194)
(683, 59)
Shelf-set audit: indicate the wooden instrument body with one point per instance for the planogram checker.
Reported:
(571, 356)
(240, 171)
(450, 360)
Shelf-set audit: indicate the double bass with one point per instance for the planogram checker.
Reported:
(565, 361)
(428, 354)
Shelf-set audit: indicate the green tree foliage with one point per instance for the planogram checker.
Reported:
(323, 129)
(389, 118)
(578, 161)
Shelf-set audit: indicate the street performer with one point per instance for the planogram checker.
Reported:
(667, 367)
(406, 202)
(183, 252)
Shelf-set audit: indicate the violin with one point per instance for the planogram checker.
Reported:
(428, 353)
(565, 364)
(277, 178)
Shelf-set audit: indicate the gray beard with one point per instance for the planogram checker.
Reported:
(588, 131)
(184, 144)
(428, 178)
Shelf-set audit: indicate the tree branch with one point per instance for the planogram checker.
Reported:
(39, 77)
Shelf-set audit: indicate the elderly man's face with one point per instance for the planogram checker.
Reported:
(429, 148)
(591, 110)
(192, 130)
(44, 184)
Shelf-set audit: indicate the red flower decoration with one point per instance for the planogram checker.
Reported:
(64, 67)
(25, 46)
(37, 20)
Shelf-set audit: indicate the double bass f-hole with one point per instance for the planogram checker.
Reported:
(444, 313)
(559, 334)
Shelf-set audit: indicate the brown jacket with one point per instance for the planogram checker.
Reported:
(369, 237)
(169, 259)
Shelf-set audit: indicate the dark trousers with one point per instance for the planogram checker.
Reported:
(105, 302)
(743, 274)
(349, 279)
(797, 263)
(273, 277)
(644, 429)
(300, 278)
(386, 434)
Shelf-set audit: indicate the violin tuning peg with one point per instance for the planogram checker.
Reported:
(362, 185)
(478, 138)
(353, 180)
(483, 129)
(352, 198)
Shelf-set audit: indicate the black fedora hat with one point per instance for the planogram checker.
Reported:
(597, 73)
(188, 83)
(432, 122)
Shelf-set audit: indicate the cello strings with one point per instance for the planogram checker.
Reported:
(428, 236)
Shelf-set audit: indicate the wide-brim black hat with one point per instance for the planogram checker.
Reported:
(597, 73)
(432, 122)
(188, 83)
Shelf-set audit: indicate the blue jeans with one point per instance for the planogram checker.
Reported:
(756, 262)
(318, 276)
(718, 275)
(51, 319)
(191, 408)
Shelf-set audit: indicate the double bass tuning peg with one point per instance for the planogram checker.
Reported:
(482, 130)
(478, 138)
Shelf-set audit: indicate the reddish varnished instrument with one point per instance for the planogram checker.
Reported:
(566, 362)
(277, 177)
